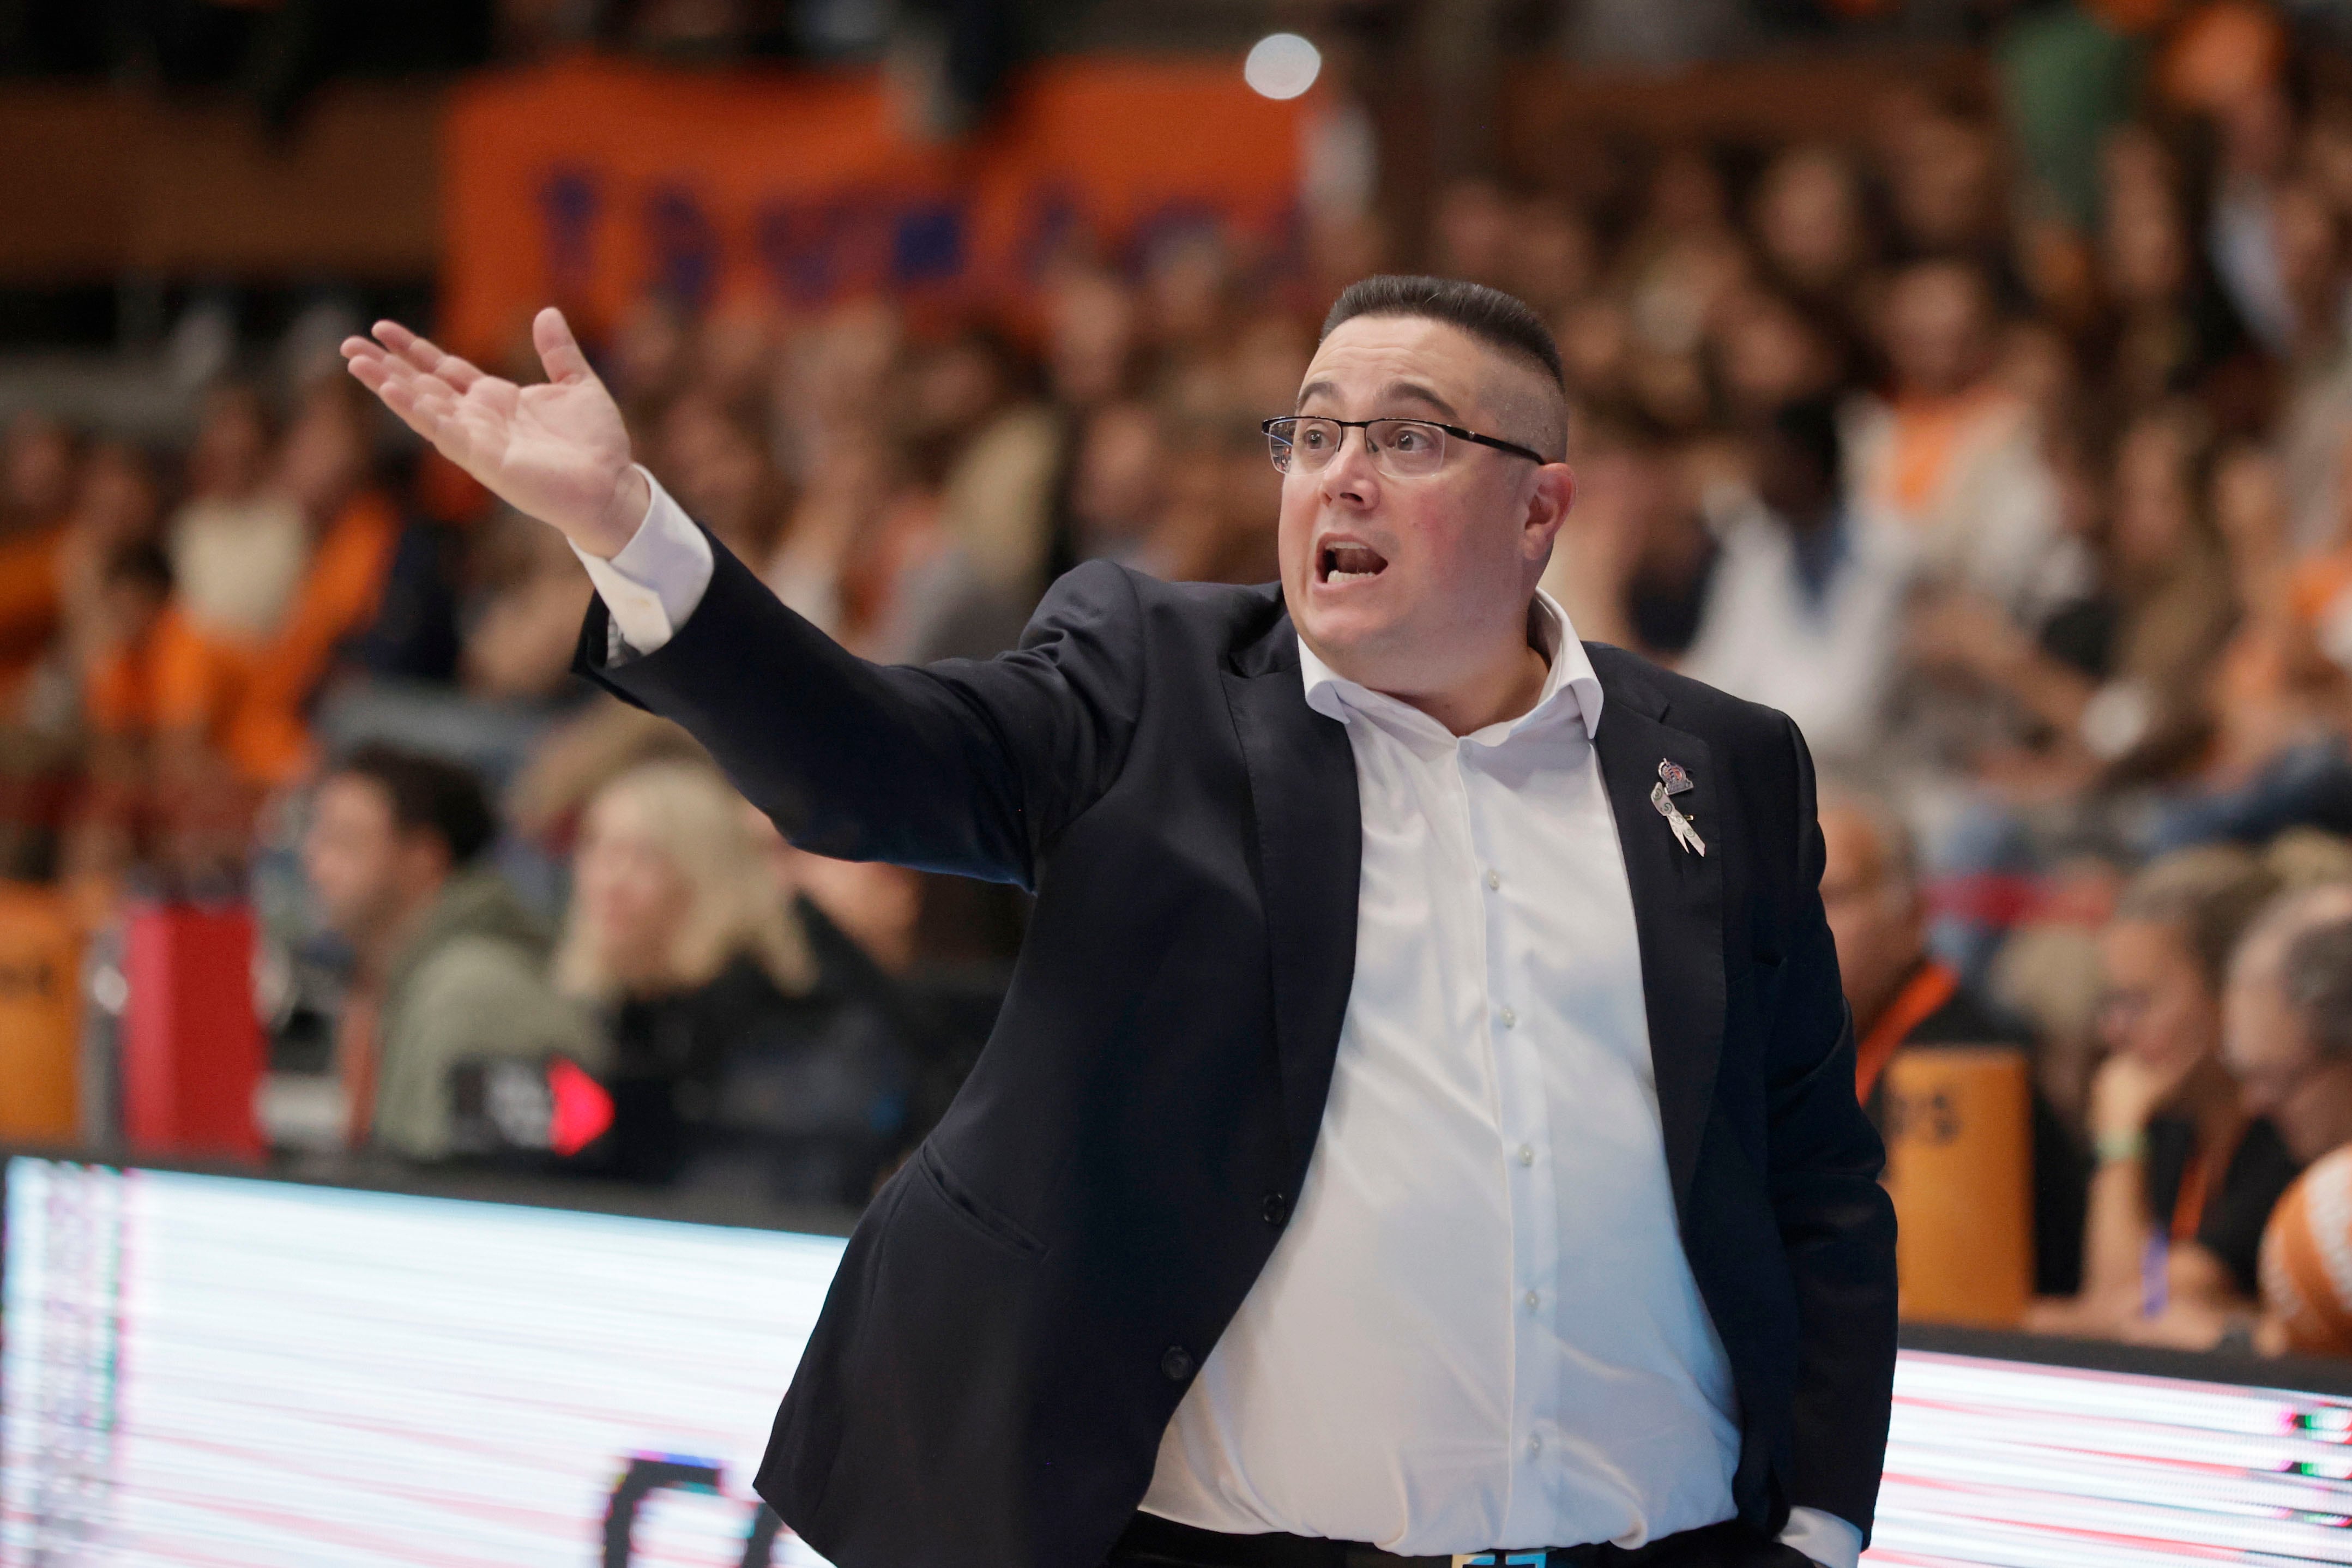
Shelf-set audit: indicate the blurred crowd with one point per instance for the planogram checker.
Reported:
(2015, 465)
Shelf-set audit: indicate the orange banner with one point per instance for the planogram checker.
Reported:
(589, 183)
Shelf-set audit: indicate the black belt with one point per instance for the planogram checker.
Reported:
(1159, 1543)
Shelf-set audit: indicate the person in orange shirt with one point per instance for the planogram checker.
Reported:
(1951, 459)
(233, 689)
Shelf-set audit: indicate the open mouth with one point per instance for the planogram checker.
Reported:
(1348, 563)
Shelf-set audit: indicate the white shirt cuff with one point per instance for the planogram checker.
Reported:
(1823, 1537)
(652, 584)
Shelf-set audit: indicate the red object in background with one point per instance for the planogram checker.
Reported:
(579, 1108)
(192, 1046)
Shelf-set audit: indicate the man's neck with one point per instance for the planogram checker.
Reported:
(1497, 696)
(376, 952)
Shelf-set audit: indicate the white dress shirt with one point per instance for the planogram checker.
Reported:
(1478, 1329)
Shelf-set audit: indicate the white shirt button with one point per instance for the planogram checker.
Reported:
(1509, 1018)
(1493, 880)
(1533, 1300)
(1534, 1445)
(1527, 1154)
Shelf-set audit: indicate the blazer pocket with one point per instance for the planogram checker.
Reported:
(990, 1226)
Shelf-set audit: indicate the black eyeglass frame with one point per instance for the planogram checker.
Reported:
(1265, 427)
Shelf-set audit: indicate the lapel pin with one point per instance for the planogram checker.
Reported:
(1674, 781)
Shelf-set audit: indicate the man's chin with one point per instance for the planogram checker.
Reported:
(1353, 639)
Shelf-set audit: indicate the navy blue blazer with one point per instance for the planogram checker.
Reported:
(1026, 1301)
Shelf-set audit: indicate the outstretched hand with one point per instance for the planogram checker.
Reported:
(557, 451)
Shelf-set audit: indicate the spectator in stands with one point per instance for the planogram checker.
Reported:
(1804, 610)
(277, 563)
(1950, 458)
(1902, 999)
(1118, 483)
(1809, 220)
(2171, 325)
(449, 968)
(2184, 1176)
(734, 1060)
(2289, 1039)
(2165, 609)
(1633, 565)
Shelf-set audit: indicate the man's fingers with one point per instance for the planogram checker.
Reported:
(426, 355)
(558, 351)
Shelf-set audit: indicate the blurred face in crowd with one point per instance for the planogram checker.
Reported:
(117, 498)
(1185, 283)
(1938, 325)
(1943, 181)
(2307, 238)
(629, 892)
(232, 445)
(720, 473)
(1770, 354)
(2280, 1075)
(1474, 226)
(36, 473)
(2147, 243)
(955, 386)
(1553, 256)
(1809, 216)
(1090, 337)
(2156, 1005)
(368, 874)
(1418, 586)
(325, 453)
(2267, 1043)
(1874, 912)
(1115, 490)
(2154, 506)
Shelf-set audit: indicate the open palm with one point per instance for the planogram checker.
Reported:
(557, 451)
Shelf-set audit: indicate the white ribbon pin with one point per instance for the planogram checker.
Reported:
(1674, 781)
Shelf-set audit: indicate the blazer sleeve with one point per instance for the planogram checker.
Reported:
(1836, 1222)
(967, 766)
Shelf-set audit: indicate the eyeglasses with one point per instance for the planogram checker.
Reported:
(1400, 449)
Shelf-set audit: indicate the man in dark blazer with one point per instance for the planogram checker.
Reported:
(1421, 1127)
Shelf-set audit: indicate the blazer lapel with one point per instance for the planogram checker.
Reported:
(1678, 904)
(1311, 843)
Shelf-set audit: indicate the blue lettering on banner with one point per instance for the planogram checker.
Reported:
(570, 200)
(683, 243)
(929, 245)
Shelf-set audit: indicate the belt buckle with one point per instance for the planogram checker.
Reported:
(1501, 1559)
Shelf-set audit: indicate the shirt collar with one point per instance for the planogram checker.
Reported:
(1570, 689)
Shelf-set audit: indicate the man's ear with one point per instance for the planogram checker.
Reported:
(1549, 498)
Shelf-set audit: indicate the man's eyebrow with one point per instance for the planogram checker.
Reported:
(1412, 390)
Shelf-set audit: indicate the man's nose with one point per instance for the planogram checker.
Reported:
(1351, 475)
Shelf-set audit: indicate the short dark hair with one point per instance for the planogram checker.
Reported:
(2317, 977)
(428, 795)
(1499, 320)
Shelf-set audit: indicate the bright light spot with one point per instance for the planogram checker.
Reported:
(1282, 65)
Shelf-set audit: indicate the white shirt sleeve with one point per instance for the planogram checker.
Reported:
(1823, 1537)
(655, 581)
